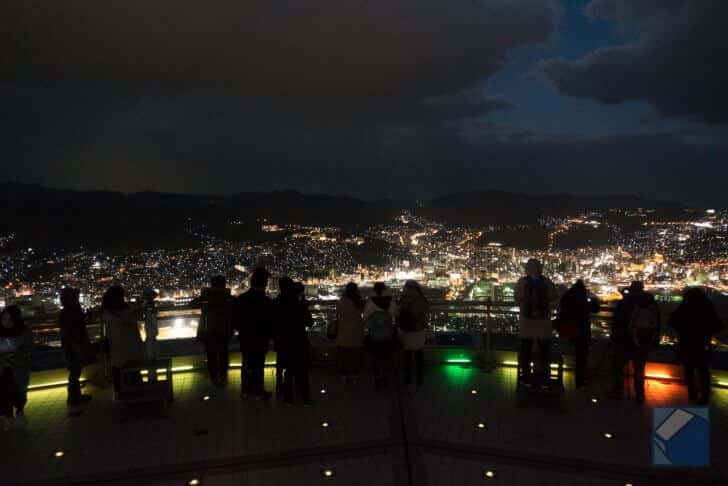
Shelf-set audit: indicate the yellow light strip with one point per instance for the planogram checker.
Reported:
(553, 366)
(52, 384)
(239, 365)
(659, 376)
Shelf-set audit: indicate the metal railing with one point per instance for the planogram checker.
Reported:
(486, 318)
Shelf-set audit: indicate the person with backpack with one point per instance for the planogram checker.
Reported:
(379, 328)
(412, 316)
(294, 346)
(254, 315)
(573, 323)
(536, 297)
(216, 328)
(16, 344)
(349, 333)
(635, 329)
(695, 322)
(75, 343)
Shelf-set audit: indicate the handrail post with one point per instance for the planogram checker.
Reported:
(488, 359)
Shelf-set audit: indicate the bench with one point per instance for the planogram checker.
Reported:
(146, 381)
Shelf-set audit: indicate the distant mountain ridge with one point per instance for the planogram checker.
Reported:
(500, 207)
(44, 216)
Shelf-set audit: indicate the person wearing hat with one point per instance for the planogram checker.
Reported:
(74, 342)
(635, 327)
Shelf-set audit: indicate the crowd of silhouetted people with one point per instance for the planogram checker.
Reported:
(634, 332)
(380, 330)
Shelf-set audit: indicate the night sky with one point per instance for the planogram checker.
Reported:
(396, 98)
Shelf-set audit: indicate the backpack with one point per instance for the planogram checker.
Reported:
(537, 299)
(380, 326)
(643, 323)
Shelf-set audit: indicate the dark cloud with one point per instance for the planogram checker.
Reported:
(321, 48)
(679, 62)
(224, 145)
(465, 103)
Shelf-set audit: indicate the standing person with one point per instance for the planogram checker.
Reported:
(574, 314)
(635, 328)
(16, 343)
(284, 286)
(217, 313)
(254, 315)
(74, 342)
(349, 333)
(536, 297)
(696, 321)
(151, 329)
(379, 313)
(122, 329)
(412, 316)
(294, 347)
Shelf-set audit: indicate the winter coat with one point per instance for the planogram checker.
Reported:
(253, 316)
(125, 340)
(15, 353)
(377, 303)
(578, 306)
(293, 318)
(74, 338)
(217, 310)
(350, 327)
(413, 311)
(541, 327)
(695, 327)
(623, 312)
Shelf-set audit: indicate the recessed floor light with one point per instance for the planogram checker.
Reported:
(594, 400)
(473, 391)
(489, 474)
(59, 454)
(323, 391)
(480, 425)
(205, 398)
(194, 482)
(608, 435)
(325, 425)
(328, 473)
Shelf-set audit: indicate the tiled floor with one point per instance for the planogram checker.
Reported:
(429, 433)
